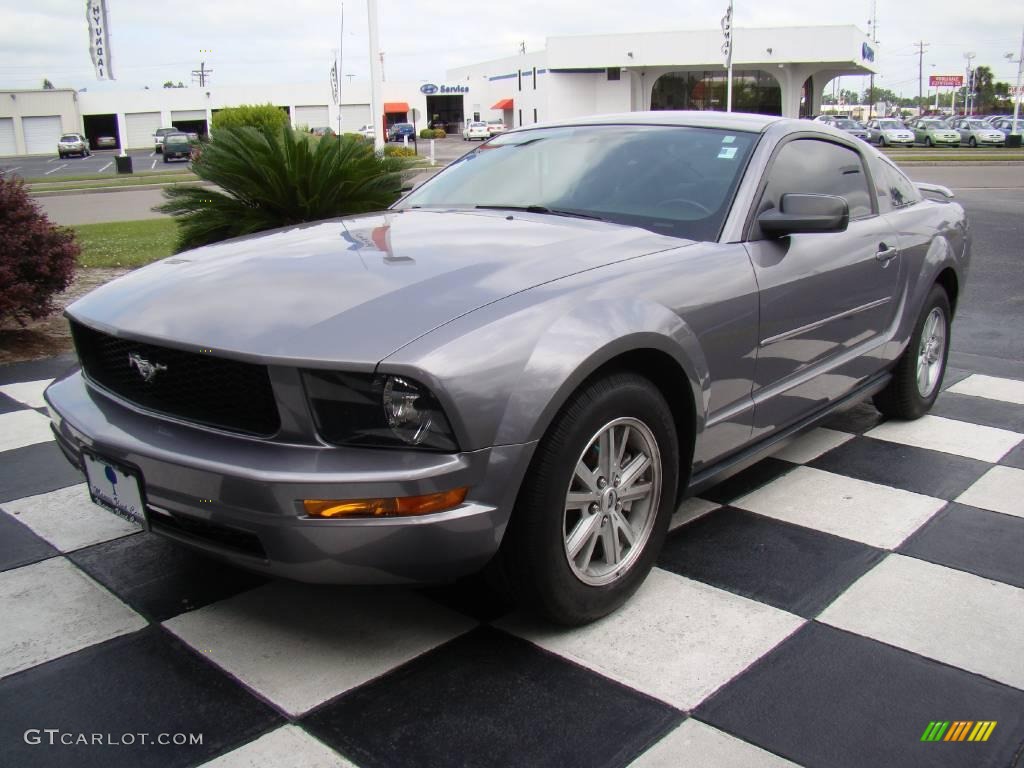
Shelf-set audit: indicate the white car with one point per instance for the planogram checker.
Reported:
(889, 131)
(366, 131)
(494, 127)
(476, 130)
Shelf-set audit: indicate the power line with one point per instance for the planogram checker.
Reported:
(201, 74)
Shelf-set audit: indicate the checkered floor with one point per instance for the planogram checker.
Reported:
(838, 597)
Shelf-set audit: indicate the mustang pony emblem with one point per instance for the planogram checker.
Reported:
(146, 369)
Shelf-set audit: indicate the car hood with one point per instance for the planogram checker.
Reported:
(355, 289)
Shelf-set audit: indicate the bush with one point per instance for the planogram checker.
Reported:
(397, 150)
(266, 179)
(426, 133)
(439, 133)
(37, 259)
(252, 115)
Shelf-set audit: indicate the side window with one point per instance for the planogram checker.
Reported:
(902, 191)
(814, 167)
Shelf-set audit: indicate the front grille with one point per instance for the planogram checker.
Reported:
(209, 533)
(191, 386)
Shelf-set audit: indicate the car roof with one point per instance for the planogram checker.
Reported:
(729, 121)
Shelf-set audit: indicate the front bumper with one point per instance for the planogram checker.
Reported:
(240, 499)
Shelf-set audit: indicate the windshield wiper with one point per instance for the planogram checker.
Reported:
(541, 209)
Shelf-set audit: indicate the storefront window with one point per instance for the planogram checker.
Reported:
(752, 91)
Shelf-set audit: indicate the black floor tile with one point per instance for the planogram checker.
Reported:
(941, 475)
(980, 410)
(35, 469)
(9, 404)
(1014, 458)
(474, 597)
(856, 420)
(19, 545)
(974, 540)
(825, 697)
(488, 698)
(788, 566)
(35, 370)
(159, 578)
(147, 682)
(750, 479)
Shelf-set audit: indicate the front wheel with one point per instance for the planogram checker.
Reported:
(917, 377)
(972, 142)
(595, 505)
(928, 141)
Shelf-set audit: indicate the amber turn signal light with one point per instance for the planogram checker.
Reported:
(388, 507)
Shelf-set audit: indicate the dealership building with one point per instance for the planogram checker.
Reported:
(779, 71)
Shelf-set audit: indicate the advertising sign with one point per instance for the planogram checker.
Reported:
(99, 38)
(946, 81)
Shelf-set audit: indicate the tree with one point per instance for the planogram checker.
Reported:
(267, 178)
(251, 115)
(47, 85)
(170, 84)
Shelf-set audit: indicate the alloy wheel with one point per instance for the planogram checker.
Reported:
(931, 353)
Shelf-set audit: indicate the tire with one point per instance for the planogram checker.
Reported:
(534, 556)
(928, 141)
(905, 397)
(972, 143)
(166, 159)
(882, 142)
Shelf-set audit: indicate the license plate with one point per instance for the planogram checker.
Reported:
(114, 488)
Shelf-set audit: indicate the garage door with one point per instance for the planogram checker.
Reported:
(354, 116)
(188, 114)
(41, 134)
(313, 117)
(7, 145)
(140, 127)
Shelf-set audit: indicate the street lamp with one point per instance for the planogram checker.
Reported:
(969, 84)
(1016, 95)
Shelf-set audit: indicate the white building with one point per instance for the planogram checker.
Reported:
(775, 71)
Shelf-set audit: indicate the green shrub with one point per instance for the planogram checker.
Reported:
(266, 179)
(426, 133)
(253, 115)
(439, 133)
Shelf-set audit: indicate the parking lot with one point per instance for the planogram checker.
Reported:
(99, 162)
(822, 608)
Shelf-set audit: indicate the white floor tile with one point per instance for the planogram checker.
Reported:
(300, 645)
(21, 428)
(810, 446)
(676, 639)
(1001, 489)
(949, 436)
(68, 519)
(288, 745)
(50, 609)
(844, 506)
(992, 387)
(697, 744)
(944, 614)
(28, 392)
(690, 510)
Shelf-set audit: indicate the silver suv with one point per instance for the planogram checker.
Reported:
(73, 144)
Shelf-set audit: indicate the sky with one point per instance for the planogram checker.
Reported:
(248, 42)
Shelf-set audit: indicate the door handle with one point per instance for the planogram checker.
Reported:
(886, 254)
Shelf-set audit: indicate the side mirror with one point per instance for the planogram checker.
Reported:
(798, 214)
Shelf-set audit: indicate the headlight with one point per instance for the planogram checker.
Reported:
(377, 411)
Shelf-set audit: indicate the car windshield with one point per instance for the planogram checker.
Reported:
(932, 124)
(672, 180)
(978, 124)
(890, 125)
(495, 122)
(847, 124)
(478, 125)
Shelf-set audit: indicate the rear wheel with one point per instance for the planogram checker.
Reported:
(917, 377)
(927, 141)
(595, 505)
(972, 142)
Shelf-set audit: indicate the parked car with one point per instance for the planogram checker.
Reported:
(888, 131)
(177, 147)
(975, 132)
(158, 137)
(106, 142)
(1005, 124)
(851, 127)
(475, 130)
(72, 144)
(400, 131)
(494, 127)
(592, 320)
(932, 132)
(366, 131)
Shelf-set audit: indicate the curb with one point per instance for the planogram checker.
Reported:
(102, 190)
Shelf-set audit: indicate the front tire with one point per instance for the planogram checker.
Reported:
(595, 505)
(928, 141)
(917, 377)
(972, 143)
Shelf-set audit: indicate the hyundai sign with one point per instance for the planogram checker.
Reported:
(430, 89)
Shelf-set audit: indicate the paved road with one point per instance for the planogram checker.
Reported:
(53, 168)
(97, 207)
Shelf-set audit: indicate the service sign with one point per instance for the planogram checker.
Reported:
(946, 81)
(99, 38)
(430, 89)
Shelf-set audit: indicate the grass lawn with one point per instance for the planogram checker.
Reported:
(125, 243)
(151, 176)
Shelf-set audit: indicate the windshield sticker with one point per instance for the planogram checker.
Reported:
(727, 153)
(728, 139)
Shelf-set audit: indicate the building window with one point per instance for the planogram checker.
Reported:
(614, 73)
(535, 78)
(520, 118)
(520, 79)
(752, 91)
(535, 114)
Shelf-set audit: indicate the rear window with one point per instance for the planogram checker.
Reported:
(176, 138)
(69, 137)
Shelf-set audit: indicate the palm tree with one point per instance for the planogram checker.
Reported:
(266, 179)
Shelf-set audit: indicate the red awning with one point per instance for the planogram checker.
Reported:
(503, 104)
(396, 106)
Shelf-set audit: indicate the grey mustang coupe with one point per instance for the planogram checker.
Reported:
(526, 363)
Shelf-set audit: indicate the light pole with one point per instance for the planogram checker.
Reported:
(1016, 96)
(376, 82)
(969, 84)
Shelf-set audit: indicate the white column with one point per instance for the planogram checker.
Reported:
(376, 78)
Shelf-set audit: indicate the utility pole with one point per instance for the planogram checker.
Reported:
(1014, 128)
(522, 47)
(376, 81)
(873, 23)
(969, 84)
(921, 47)
(201, 74)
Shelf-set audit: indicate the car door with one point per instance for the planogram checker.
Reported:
(826, 299)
